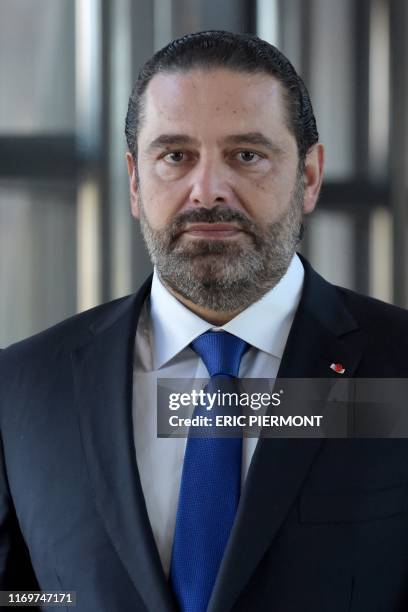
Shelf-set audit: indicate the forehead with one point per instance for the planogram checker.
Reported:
(202, 99)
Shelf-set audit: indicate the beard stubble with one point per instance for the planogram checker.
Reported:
(225, 275)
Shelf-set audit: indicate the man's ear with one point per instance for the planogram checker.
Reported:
(133, 185)
(313, 176)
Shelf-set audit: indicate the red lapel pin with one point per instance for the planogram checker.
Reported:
(338, 368)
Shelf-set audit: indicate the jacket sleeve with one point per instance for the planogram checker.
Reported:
(16, 572)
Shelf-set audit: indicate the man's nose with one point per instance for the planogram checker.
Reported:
(210, 185)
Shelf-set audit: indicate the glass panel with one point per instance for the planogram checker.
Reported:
(162, 23)
(331, 83)
(37, 66)
(290, 34)
(37, 257)
(379, 91)
(121, 228)
(381, 254)
(331, 250)
(267, 21)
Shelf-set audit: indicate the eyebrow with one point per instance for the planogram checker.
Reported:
(165, 140)
(253, 138)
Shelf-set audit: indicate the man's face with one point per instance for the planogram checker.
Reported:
(217, 186)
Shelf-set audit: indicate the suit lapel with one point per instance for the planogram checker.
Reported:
(323, 332)
(103, 369)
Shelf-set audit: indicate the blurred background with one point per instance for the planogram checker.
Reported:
(67, 240)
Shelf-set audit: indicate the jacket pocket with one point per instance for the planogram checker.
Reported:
(354, 506)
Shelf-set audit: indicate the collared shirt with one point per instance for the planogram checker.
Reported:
(165, 329)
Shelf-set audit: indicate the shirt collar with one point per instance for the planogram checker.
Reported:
(265, 324)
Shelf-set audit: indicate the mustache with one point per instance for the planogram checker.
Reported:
(217, 214)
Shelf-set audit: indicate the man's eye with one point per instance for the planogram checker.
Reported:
(248, 157)
(175, 157)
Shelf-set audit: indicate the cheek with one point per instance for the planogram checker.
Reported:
(266, 198)
(159, 204)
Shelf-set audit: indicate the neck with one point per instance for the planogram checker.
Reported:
(215, 317)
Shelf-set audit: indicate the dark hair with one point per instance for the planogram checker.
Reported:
(237, 52)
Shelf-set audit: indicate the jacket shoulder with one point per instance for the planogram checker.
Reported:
(373, 313)
(384, 328)
(66, 333)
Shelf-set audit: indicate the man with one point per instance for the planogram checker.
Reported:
(224, 161)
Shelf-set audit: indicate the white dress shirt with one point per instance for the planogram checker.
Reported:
(165, 330)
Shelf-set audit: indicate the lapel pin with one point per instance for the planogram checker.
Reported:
(338, 368)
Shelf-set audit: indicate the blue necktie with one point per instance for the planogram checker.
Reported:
(209, 489)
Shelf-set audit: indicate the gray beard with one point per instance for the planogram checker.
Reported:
(220, 275)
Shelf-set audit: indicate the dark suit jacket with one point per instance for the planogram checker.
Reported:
(322, 525)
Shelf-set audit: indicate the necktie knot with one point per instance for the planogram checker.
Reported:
(221, 352)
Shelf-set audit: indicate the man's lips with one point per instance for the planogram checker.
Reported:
(212, 230)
